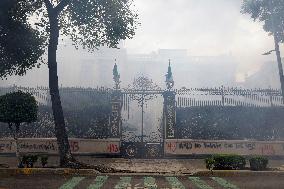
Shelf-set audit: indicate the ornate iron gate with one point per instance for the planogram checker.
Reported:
(142, 91)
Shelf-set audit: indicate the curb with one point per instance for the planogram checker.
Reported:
(236, 173)
(45, 171)
(7, 172)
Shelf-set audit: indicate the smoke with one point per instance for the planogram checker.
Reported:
(203, 28)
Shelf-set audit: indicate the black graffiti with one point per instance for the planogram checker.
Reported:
(48, 146)
(5, 146)
(212, 145)
(250, 146)
(197, 145)
(185, 145)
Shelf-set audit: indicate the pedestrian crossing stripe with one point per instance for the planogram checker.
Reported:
(199, 183)
(123, 183)
(99, 182)
(175, 183)
(70, 184)
(150, 183)
(224, 183)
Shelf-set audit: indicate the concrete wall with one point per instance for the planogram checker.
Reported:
(241, 147)
(49, 145)
(171, 147)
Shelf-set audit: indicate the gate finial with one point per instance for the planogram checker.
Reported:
(169, 77)
(116, 76)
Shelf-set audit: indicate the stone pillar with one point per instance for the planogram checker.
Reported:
(169, 115)
(115, 118)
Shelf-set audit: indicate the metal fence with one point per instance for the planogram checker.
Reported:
(185, 97)
(228, 96)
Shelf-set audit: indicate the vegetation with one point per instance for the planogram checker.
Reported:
(44, 160)
(225, 162)
(88, 23)
(29, 160)
(90, 120)
(16, 108)
(21, 46)
(270, 12)
(258, 163)
(230, 123)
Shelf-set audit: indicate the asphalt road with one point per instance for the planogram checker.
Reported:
(140, 182)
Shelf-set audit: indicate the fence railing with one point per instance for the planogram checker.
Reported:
(228, 96)
(185, 97)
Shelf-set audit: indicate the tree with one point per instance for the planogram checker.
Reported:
(90, 23)
(271, 12)
(20, 46)
(16, 108)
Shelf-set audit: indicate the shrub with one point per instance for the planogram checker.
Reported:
(209, 163)
(29, 160)
(43, 160)
(225, 162)
(258, 163)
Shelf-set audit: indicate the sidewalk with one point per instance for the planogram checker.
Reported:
(165, 166)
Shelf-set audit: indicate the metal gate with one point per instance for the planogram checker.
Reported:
(143, 92)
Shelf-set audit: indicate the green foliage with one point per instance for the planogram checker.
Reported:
(209, 162)
(43, 160)
(18, 107)
(29, 160)
(271, 12)
(89, 23)
(230, 123)
(258, 163)
(86, 116)
(225, 162)
(21, 46)
(93, 23)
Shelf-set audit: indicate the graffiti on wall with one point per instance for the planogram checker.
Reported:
(189, 147)
(36, 145)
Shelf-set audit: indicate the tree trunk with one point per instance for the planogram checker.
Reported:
(15, 136)
(60, 130)
(280, 68)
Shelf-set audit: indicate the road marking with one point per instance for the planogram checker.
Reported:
(150, 183)
(199, 183)
(224, 183)
(123, 183)
(70, 184)
(99, 182)
(175, 183)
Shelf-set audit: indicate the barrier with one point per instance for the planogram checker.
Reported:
(241, 147)
(49, 146)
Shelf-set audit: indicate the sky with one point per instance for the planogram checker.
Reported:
(204, 28)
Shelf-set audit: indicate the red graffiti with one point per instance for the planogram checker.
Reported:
(267, 149)
(113, 148)
(172, 146)
(74, 145)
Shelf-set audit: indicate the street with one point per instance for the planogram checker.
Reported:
(140, 182)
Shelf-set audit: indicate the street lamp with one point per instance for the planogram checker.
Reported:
(268, 53)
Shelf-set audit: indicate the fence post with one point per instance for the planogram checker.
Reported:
(223, 95)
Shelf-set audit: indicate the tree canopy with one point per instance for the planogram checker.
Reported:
(21, 46)
(18, 107)
(271, 12)
(88, 23)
